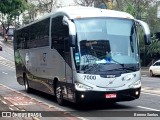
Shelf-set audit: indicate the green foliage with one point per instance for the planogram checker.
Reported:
(145, 10)
(10, 7)
(152, 19)
(32, 11)
(154, 47)
(141, 39)
(130, 8)
(9, 10)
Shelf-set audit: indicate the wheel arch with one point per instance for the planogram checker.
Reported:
(151, 73)
(55, 81)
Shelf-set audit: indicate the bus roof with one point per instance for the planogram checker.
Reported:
(74, 12)
(82, 12)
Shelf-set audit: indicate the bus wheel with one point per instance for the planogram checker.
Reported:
(59, 95)
(27, 88)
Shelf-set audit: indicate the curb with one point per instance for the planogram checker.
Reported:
(19, 102)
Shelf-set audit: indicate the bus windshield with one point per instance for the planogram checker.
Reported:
(110, 42)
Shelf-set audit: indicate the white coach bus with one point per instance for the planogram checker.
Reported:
(81, 54)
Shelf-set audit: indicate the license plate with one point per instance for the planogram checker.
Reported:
(108, 96)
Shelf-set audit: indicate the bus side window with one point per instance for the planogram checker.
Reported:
(38, 34)
(57, 35)
(60, 38)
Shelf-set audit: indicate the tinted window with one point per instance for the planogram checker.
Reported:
(59, 35)
(60, 38)
(156, 64)
(21, 38)
(39, 34)
(35, 35)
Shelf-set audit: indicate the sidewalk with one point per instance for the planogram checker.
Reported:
(14, 103)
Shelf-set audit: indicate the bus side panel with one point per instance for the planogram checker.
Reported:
(42, 66)
(52, 66)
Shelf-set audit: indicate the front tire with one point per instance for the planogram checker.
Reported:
(59, 95)
(27, 88)
(151, 73)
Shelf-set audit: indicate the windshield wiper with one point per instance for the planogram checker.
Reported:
(89, 67)
(124, 68)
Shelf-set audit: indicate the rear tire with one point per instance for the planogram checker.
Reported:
(27, 88)
(151, 73)
(59, 95)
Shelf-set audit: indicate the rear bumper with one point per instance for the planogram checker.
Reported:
(122, 95)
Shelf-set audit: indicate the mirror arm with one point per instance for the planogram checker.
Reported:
(146, 30)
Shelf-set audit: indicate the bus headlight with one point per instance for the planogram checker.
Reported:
(82, 87)
(136, 84)
(128, 77)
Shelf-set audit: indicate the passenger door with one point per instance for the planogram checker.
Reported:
(62, 54)
(57, 44)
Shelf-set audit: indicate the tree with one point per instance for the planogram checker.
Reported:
(154, 47)
(10, 9)
(36, 7)
(29, 16)
(152, 19)
(144, 10)
(106, 4)
(137, 8)
(46, 5)
(85, 2)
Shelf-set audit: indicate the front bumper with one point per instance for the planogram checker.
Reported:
(122, 95)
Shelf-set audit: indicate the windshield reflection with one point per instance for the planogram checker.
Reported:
(106, 45)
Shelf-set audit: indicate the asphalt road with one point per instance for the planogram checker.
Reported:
(148, 101)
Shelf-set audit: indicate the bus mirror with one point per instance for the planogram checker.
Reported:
(147, 36)
(70, 24)
(147, 39)
(72, 31)
(65, 21)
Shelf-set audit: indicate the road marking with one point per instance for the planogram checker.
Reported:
(4, 102)
(2, 58)
(11, 108)
(8, 46)
(155, 91)
(5, 73)
(150, 93)
(7, 53)
(144, 75)
(148, 108)
(7, 63)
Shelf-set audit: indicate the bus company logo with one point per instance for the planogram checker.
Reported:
(43, 57)
(111, 76)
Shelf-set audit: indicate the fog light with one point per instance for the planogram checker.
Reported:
(82, 96)
(137, 93)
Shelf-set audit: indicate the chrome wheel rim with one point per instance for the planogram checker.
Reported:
(59, 94)
(26, 85)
